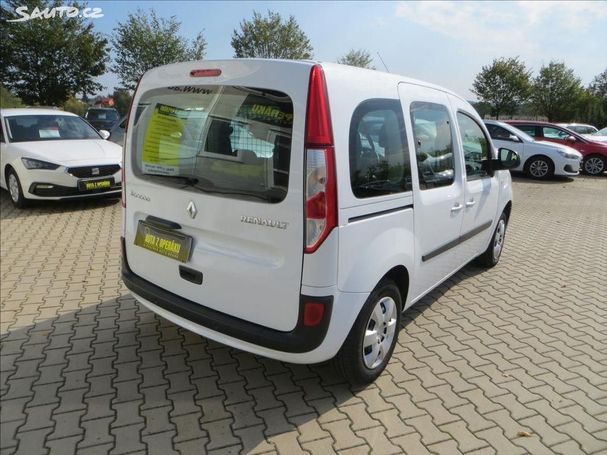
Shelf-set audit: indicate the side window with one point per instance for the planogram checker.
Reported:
(1, 131)
(553, 133)
(475, 145)
(433, 144)
(379, 157)
(497, 132)
(529, 129)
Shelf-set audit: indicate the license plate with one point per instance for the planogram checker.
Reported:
(163, 241)
(91, 185)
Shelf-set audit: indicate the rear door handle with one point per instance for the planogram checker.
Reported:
(457, 207)
(470, 203)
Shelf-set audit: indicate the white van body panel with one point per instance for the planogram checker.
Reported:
(437, 219)
(257, 274)
(239, 260)
(481, 195)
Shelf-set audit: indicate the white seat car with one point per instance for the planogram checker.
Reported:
(598, 136)
(580, 128)
(51, 154)
(539, 159)
(295, 209)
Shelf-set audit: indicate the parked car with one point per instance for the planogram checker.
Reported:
(49, 154)
(313, 251)
(539, 159)
(580, 128)
(599, 136)
(102, 118)
(594, 153)
(117, 132)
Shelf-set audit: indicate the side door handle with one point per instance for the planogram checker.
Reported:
(457, 207)
(470, 203)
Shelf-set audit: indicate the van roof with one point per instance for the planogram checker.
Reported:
(327, 66)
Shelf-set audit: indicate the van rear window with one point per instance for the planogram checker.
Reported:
(226, 140)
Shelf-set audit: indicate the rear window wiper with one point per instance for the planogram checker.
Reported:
(263, 197)
(189, 180)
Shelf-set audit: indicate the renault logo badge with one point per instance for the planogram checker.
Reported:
(191, 209)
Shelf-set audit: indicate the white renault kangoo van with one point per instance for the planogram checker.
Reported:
(294, 209)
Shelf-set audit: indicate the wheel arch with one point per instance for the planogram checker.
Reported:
(507, 210)
(400, 276)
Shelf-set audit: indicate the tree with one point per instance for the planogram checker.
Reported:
(590, 109)
(270, 37)
(598, 86)
(598, 89)
(556, 92)
(360, 58)
(75, 106)
(145, 41)
(122, 100)
(503, 85)
(7, 99)
(46, 60)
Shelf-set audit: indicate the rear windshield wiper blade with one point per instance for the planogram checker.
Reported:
(263, 197)
(189, 180)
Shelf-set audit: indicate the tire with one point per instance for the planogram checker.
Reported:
(14, 189)
(539, 167)
(594, 165)
(362, 358)
(492, 254)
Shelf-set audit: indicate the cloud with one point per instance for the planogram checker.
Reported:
(501, 27)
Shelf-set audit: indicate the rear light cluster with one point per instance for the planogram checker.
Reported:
(320, 185)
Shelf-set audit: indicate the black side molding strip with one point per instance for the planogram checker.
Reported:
(457, 241)
(300, 339)
(383, 212)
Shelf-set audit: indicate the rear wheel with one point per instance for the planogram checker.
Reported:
(594, 165)
(492, 254)
(539, 167)
(14, 189)
(371, 340)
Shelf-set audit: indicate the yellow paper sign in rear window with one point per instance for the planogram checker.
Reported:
(162, 142)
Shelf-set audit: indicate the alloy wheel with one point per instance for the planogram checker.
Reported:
(594, 165)
(539, 169)
(13, 187)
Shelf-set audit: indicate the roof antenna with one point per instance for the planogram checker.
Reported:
(382, 60)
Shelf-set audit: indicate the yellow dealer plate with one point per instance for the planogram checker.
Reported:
(163, 241)
(92, 185)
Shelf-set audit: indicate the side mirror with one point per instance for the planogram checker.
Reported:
(104, 134)
(570, 139)
(506, 159)
(514, 138)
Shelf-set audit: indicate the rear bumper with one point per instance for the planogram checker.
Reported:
(299, 340)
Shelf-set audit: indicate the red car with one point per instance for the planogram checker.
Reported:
(594, 153)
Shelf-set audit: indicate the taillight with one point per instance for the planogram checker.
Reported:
(320, 185)
(126, 128)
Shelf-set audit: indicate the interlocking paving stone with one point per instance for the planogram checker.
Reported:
(521, 347)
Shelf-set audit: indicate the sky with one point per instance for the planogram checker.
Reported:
(443, 42)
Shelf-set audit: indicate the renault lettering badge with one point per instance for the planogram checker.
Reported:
(191, 209)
